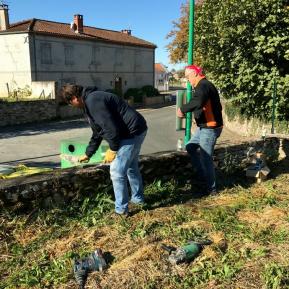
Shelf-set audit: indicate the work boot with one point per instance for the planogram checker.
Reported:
(198, 185)
(124, 215)
(138, 206)
(212, 193)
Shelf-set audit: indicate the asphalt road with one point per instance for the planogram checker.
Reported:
(39, 144)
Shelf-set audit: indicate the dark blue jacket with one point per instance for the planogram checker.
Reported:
(110, 118)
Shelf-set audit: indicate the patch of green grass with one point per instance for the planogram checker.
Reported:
(270, 235)
(254, 253)
(222, 218)
(143, 229)
(276, 276)
(193, 234)
(181, 215)
(44, 272)
(202, 272)
(140, 231)
(33, 264)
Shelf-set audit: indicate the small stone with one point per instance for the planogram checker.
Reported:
(58, 199)
(47, 203)
(25, 194)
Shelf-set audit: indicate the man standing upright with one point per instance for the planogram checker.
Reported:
(112, 119)
(207, 110)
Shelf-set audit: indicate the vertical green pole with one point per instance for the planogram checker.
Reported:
(179, 102)
(190, 61)
(274, 94)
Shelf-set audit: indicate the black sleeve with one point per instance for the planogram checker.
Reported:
(197, 102)
(93, 144)
(104, 117)
(110, 132)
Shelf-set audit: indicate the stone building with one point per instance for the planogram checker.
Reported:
(47, 54)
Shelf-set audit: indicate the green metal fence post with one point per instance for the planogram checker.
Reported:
(180, 94)
(190, 61)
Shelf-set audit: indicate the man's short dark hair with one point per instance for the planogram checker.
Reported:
(69, 90)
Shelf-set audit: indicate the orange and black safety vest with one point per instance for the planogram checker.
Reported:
(205, 105)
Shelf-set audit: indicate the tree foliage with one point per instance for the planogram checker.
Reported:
(179, 44)
(243, 45)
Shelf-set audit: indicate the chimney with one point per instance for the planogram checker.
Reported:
(78, 21)
(4, 16)
(126, 31)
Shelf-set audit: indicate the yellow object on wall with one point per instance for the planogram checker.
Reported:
(22, 170)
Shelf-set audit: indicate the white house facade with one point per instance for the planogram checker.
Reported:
(36, 50)
(161, 77)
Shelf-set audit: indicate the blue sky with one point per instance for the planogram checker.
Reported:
(148, 19)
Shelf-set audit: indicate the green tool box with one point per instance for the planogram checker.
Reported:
(72, 149)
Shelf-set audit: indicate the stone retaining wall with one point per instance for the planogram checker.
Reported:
(67, 111)
(253, 126)
(62, 185)
(26, 111)
(20, 112)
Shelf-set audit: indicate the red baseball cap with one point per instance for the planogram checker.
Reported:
(196, 68)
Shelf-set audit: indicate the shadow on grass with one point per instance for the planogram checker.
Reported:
(178, 191)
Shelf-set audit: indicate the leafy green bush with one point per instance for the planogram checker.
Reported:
(20, 93)
(232, 111)
(246, 70)
(135, 93)
(243, 52)
(150, 91)
(138, 93)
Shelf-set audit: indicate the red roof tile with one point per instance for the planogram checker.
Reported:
(64, 30)
(160, 68)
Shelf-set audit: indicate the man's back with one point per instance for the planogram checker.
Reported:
(106, 109)
(211, 115)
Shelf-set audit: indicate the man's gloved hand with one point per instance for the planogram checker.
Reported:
(84, 159)
(109, 156)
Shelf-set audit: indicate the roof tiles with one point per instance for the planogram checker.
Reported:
(64, 30)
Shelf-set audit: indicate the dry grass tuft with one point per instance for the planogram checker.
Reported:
(147, 252)
(269, 217)
(28, 235)
(60, 246)
(250, 276)
(225, 200)
(209, 253)
(196, 224)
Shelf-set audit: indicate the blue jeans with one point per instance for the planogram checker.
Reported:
(125, 167)
(201, 148)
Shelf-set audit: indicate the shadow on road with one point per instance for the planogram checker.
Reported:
(154, 106)
(43, 164)
(34, 162)
(56, 126)
(41, 128)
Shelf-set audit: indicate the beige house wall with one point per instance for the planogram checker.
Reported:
(15, 70)
(93, 63)
(89, 62)
(43, 89)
